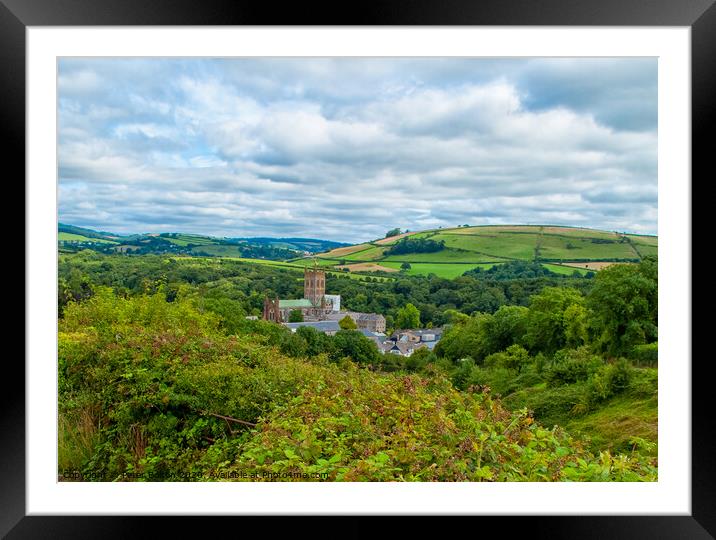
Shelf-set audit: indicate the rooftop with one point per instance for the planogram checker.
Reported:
(302, 302)
(370, 316)
(321, 326)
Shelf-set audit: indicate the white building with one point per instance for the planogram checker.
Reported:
(334, 300)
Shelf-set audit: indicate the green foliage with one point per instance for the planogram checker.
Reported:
(483, 334)
(150, 348)
(506, 327)
(514, 357)
(145, 374)
(607, 381)
(464, 339)
(572, 365)
(347, 323)
(624, 305)
(296, 315)
(293, 345)
(233, 316)
(393, 232)
(412, 429)
(74, 288)
(646, 354)
(354, 345)
(408, 317)
(316, 342)
(409, 244)
(550, 327)
(513, 270)
(247, 283)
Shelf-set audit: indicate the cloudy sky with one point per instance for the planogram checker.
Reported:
(345, 149)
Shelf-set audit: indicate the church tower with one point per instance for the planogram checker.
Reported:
(314, 285)
(271, 309)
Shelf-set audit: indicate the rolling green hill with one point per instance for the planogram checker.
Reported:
(564, 250)
(73, 238)
(561, 249)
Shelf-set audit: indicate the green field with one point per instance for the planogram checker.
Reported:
(448, 271)
(186, 239)
(371, 254)
(218, 250)
(646, 249)
(559, 247)
(566, 270)
(644, 239)
(453, 256)
(71, 237)
(577, 232)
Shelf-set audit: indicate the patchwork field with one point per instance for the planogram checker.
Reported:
(561, 249)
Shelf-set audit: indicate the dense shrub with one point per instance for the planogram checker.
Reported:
(155, 390)
(609, 380)
(550, 406)
(515, 357)
(646, 355)
(572, 365)
(415, 245)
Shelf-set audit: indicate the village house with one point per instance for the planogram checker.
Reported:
(405, 342)
(364, 321)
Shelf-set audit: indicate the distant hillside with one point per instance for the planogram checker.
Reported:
(299, 244)
(73, 238)
(451, 252)
(71, 232)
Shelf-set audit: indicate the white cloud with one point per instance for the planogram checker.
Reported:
(342, 149)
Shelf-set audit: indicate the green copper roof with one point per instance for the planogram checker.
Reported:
(303, 302)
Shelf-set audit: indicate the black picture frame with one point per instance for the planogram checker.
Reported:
(699, 15)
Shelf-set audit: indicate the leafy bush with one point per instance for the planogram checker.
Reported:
(414, 429)
(151, 389)
(646, 355)
(569, 366)
(609, 380)
(551, 405)
(515, 357)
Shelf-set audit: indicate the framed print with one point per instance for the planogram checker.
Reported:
(401, 264)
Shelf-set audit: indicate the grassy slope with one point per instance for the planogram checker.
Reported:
(617, 422)
(610, 425)
(72, 237)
